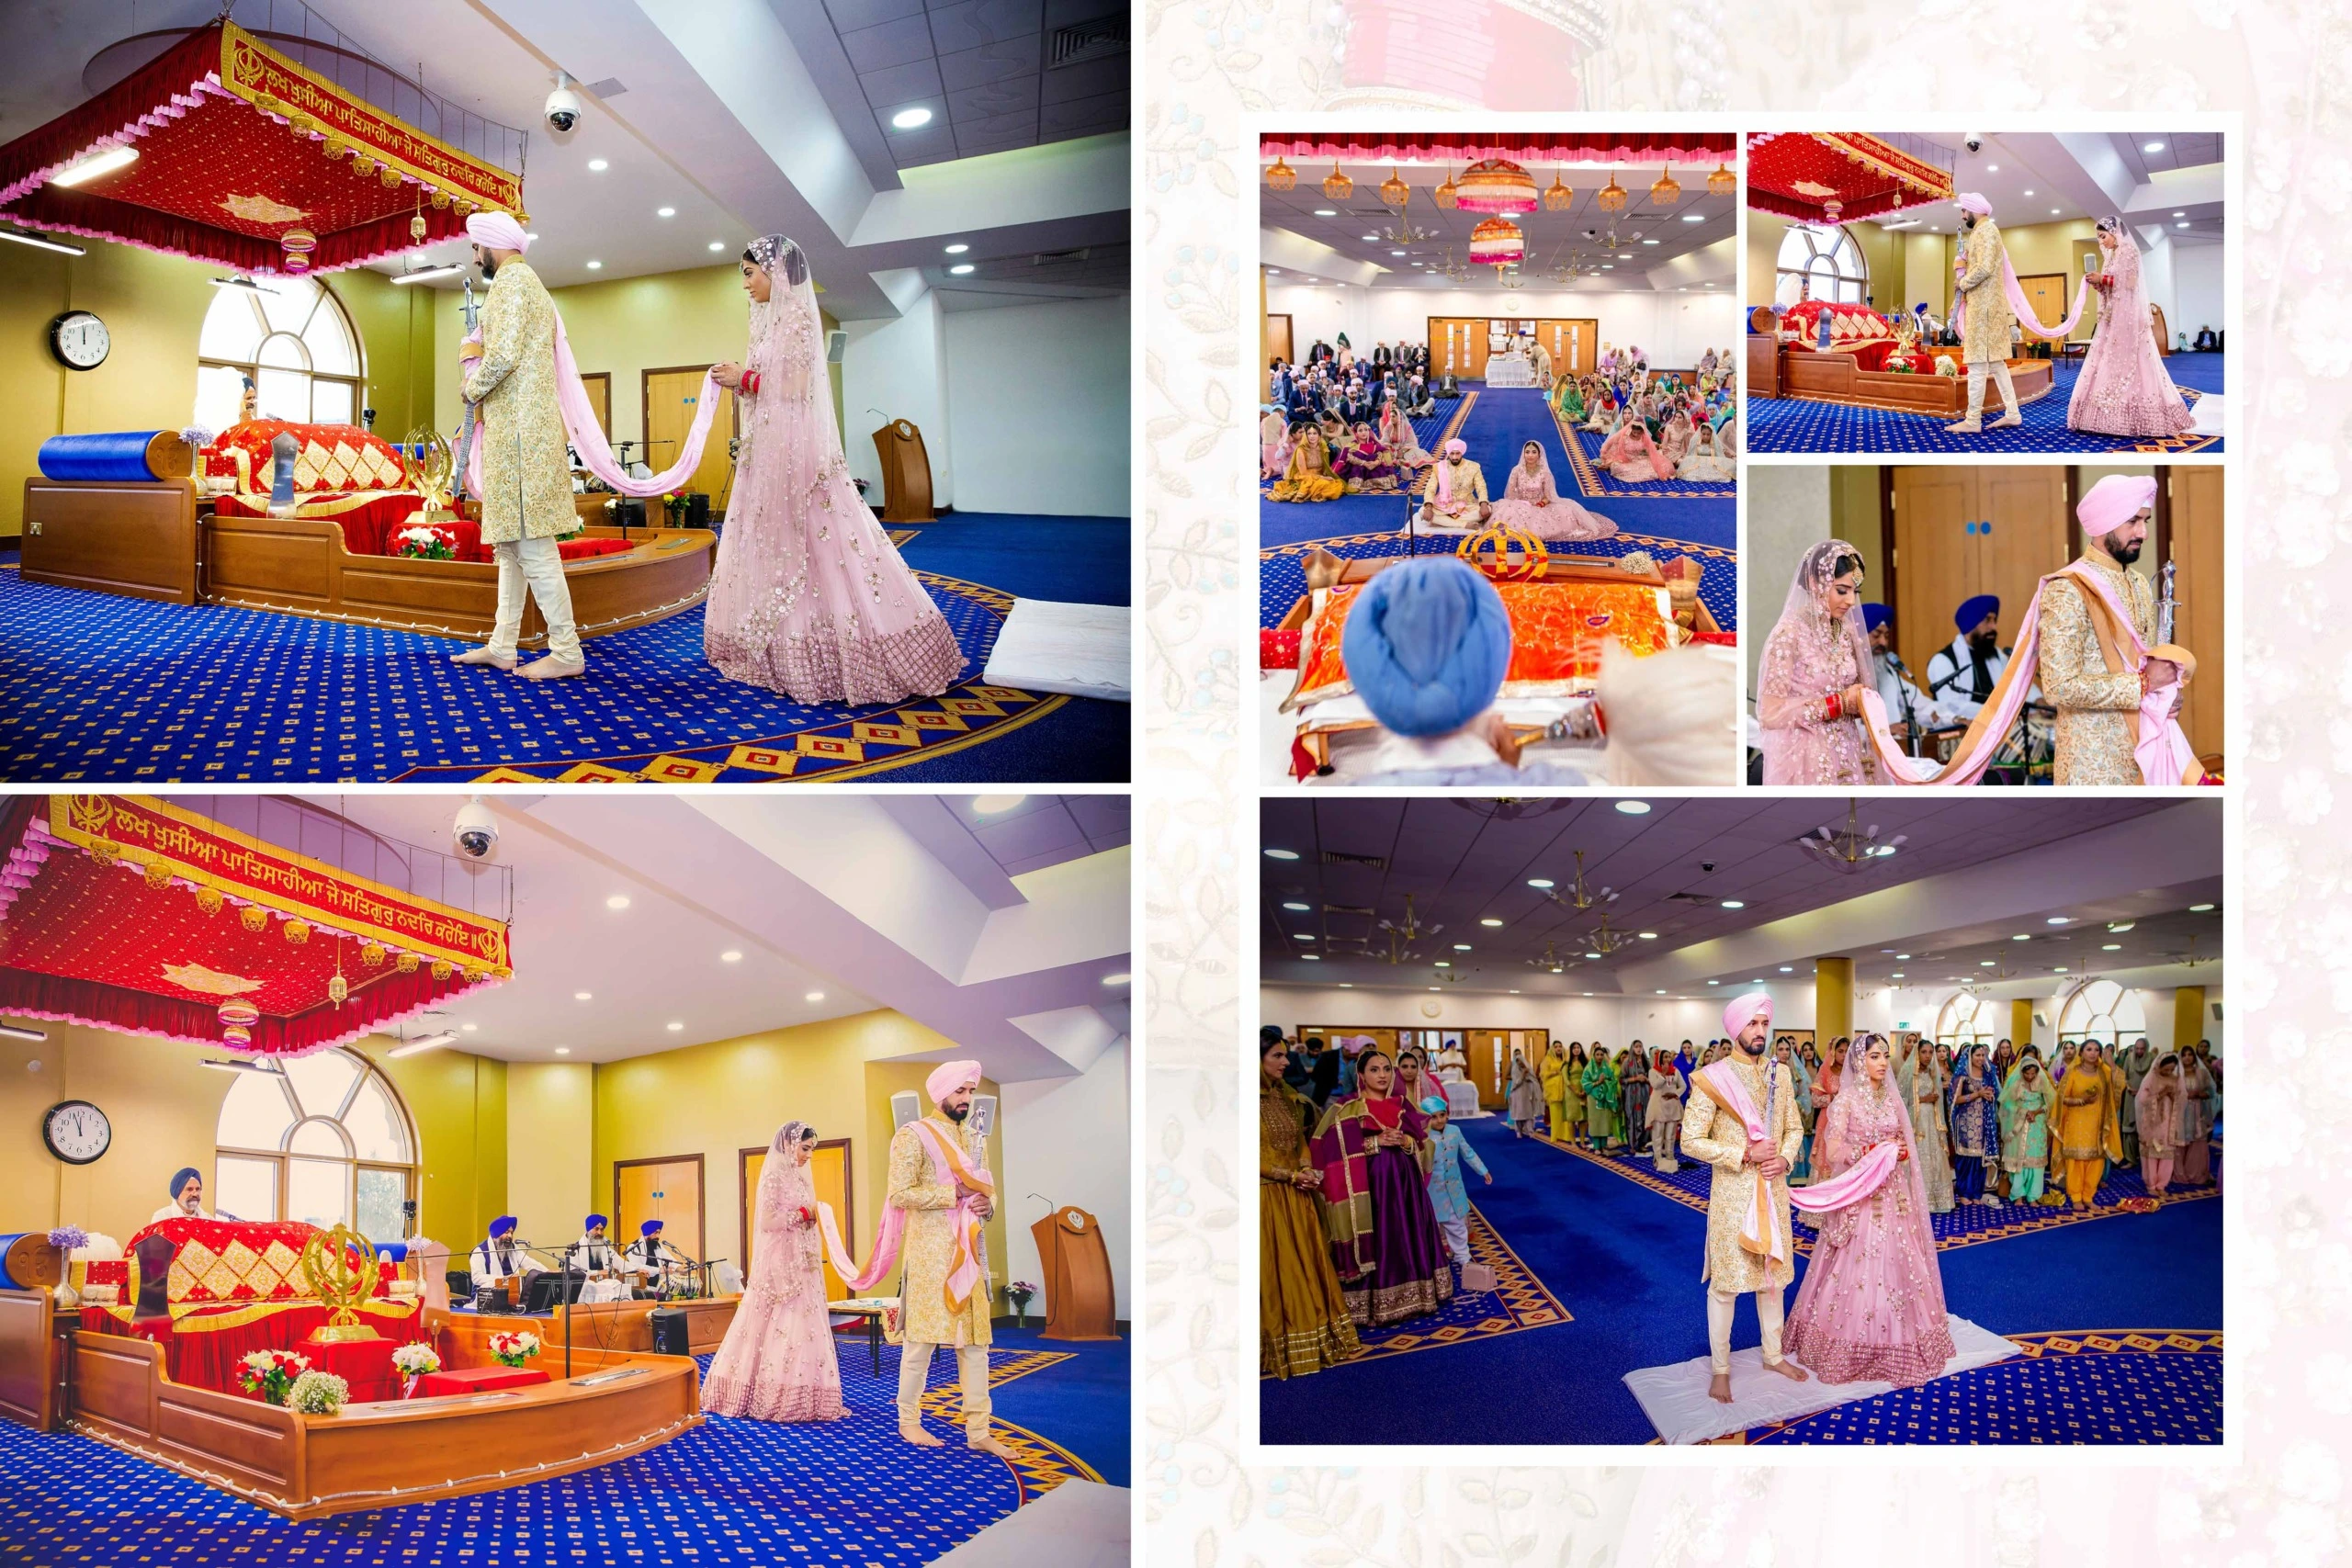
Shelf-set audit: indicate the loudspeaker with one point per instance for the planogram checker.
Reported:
(836, 344)
(698, 509)
(2217, 1011)
(669, 1328)
(629, 513)
(905, 1107)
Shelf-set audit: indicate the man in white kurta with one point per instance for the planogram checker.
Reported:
(943, 1231)
(1713, 1132)
(187, 1198)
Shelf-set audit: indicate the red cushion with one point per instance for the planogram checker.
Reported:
(478, 1379)
(1277, 648)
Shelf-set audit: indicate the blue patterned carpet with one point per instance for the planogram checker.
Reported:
(1801, 424)
(842, 1495)
(1618, 1259)
(100, 688)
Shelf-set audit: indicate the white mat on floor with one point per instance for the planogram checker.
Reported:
(1079, 1524)
(2207, 409)
(1675, 1397)
(1083, 650)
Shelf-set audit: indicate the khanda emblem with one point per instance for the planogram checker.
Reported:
(91, 813)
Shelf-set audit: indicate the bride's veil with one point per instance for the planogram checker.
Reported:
(1815, 571)
(788, 351)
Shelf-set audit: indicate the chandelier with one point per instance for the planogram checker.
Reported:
(1550, 961)
(1496, 242)
(1604, 941)
(1580, 897)
(1495, 185)
(1558, 197)
(1411, 929)
(1444, 195)
(1397, 954)
(1665, 192)
(1509, 277)
(1613, 196)
(1393, 191)
(1337, 185)
(1281, 177)
(1852, 850)
(1722, 182)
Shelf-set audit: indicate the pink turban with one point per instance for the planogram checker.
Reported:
(2113, 501)
(1969, 201)
(949, 1077)
(1745, 1010)
(1456, 449)
(497, 232)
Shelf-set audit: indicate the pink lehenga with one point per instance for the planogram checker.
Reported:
(808, 597)
(1533, 503)
(1810, 657)
(776, 1362)
(1871, 1306)
(2123, 390)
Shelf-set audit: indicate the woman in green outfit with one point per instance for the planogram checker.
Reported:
(1601, 1094)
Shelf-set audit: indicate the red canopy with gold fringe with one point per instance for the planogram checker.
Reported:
(249, 161)
(128, 913)
(1799, 175)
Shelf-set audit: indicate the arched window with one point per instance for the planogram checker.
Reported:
(2101, 1011)
(1968, 1019)
(290, 335)
(1821, 264)
(325, 1141)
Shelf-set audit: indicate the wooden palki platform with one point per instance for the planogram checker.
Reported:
(154, 541)
(1835, 377)
(113, 1388)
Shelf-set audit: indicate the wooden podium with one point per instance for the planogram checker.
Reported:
(1078, 1298)
(906, 473)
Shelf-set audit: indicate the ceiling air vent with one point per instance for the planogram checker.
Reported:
(610, 88)
(1082, 41)
(1363, 910)
(1335, 857)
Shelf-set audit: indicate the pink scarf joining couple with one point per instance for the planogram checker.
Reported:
(950, 1167)
(2019, 305)
(1763, 1229)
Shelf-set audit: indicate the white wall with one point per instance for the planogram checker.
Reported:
(1037, 404)
(2196, 289)
(1673, 329)
(899, 367)
(1070, 1147)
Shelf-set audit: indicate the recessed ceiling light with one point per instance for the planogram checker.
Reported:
(563, 1050)
(1735, 904)
(1490, 921)
(1372, 236)
(2053, 212)
(909, 119)
(960, 249)
(2055, 920)
(597, 165)
(1587, 956)
(996, 804)
(665, 213)
(2120, 926)
(2151, 147)
(1444, 963)
(1992, 168)
(2180, 215)
(1896, 976)
(718, 244)
(1121, 978)
(1312, 957)
(595, 267)
(2029, 193)
(1282, 854)
(530, 236)
(2111, 947)
(1539, 882)
(1514, 990)
(676, 1026)
(2061, 969)
(1634, 807)
(1325, 212)
(1787, 969)
(1433, 987)
(581, 996)
(1661, 990)
(1301, 907)
(1461, 947)
(469, 1028)
(731, 955)
(617, 901)
(1653, 243)
(1649, 936)
(1694, 218)
(1714, 982)
(1902, 955)
(2180, 225)
(2020, 937)
(1347, 985)
(961, 269)
(1987, 964)
(2199, 908)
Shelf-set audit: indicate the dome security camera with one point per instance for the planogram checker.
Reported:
(475, 830)
(563, 110)
(1976, 142)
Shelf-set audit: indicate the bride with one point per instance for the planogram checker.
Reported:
(808, 597)
(776, 1362)
(1532, 502)
(1872, 1307)
(1816, 661)
(2122, 388)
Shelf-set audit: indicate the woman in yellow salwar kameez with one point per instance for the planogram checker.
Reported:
(1553, 1072)
(2090, 1122)
(1302, 1324)
(1309, 476)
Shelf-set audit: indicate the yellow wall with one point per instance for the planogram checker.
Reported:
(1764, 233)
(153, 307)
(1853, 518)
(731, 1095)
(165, 1107)
(551, 1127)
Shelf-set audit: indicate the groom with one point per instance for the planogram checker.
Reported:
(526, 473)
(944, 1253)
(1748, 1242)
(1982, 281)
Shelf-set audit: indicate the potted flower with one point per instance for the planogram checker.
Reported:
(317, 1394)
(1018, 1293)
(675, 506)
(271, 1373)
(65, 1238)
(514, 1347)
(414, 1362)
(423, 542)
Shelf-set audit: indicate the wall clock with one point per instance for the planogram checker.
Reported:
(76, 1131)
(1430, 1009)
(79, 339)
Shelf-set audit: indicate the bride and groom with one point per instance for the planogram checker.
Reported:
(1872, 1307)
(808, 597)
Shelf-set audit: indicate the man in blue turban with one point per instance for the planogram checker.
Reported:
(1961, 677)
(1427, 645)
(500, 1259)
(650, 1255)
(610, 1275)
(186, 1192)
(1908, 707)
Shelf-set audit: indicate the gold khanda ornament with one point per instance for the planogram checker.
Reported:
(1505, 554)
(339, 1283)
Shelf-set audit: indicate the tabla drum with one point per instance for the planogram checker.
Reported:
(28, 1262)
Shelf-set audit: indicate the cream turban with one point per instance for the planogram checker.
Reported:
(1745, 1010)
(1969, 201)
(949, 1077)
(497, 232)
(2113, 501)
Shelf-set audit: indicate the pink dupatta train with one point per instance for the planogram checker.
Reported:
(588, 437)
(949, 1166)
(1763, 1230)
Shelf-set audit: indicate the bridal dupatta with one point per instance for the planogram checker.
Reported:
(2022, 307)
(1762, 1229)
(949, 1166)
(2161, 749)
(587, 436)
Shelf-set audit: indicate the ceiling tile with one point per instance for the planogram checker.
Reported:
(901, 42)
(849, 15)
(1017, 95)
(1087, 79)
(1086, 114)
(901, 84)
(977, 22)
(989, 62)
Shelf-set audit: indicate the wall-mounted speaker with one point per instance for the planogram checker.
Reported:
(984, 1115)
(2217, 1011)
(836, 344)
(905, 1106)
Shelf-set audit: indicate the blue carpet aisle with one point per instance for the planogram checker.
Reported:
(1799, 424)
(1679, 520)
(94, 686)
(1621, 1262)
(835, 1494)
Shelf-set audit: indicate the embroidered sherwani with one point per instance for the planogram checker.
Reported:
(1714, 1134)
(2098, 708)
(526, 468)
(1986, 335)
(1466, 483)
(928, 1250)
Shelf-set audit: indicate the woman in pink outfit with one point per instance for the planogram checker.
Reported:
(808, 597)
(1816, 665)
(776, 1362)
(1533, 503)
(1871, 1306)
(2162, 1096)
(2123, 390)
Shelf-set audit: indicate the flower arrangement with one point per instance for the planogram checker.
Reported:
(412, 1362)
(424, 543)
(1944, 367)
(317, 1394)
(65, 1238)
(514, 1347)
(1018, 1292)
(271, 1373)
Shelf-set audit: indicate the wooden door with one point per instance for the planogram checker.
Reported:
(670, 397)
(1278, 339)
(2197, 591)
(1574, 344)
(2025, 509)
(2049, 295)
(1935, 518)
(1459, 344)
(668, 1188)
(599, 384)
(1489, 1068)
(829, 1168)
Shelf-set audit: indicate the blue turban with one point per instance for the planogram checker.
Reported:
(594, 1221)
(181, 1178)
(1427, 645)
(1434, 1105)
(649, 1227)
(502, 1225)
(1875, 616)
(1974, 610)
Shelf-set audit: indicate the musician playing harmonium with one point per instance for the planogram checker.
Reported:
(500, 1261)
(661, 1270)
(611, 1273)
